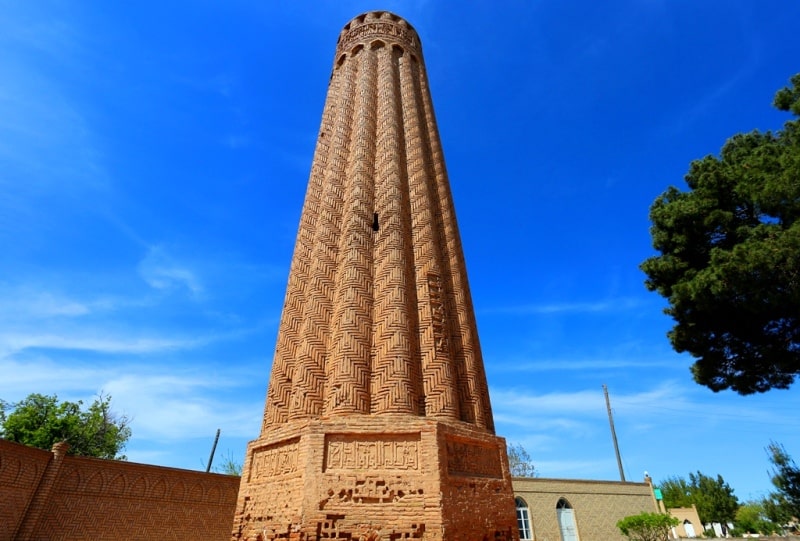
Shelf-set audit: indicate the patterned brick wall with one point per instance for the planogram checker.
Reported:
(596, 505)
(86, 498)
(21, 470)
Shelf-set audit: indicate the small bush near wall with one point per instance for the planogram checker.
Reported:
(647, 526)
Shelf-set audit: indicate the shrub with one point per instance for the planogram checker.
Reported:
(647, 526)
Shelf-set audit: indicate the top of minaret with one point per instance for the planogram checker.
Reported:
(377, 25)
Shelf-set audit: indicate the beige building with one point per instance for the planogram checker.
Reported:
(577, 510)
(690, 525)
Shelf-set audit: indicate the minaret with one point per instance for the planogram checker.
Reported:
(377, 423)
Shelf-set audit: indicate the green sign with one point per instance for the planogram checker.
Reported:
(657, 492)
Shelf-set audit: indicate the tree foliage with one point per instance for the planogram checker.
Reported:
(776, 509)
(41, 420)
(729, 261)
(713, 498)
(228, 466)
(519, 461)
(784, 503)
(675, 492)
(647, 526)
(751, 517)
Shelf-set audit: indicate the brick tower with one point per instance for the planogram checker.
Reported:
(377, 424)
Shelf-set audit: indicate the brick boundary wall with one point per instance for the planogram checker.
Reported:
(21, 471)
(47, 495)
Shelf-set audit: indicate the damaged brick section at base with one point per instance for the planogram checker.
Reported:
(330, 529)
(372, 490)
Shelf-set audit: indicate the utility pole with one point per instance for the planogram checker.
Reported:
(613, 434)
(213, 448)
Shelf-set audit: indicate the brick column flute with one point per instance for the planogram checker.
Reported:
(377, 422)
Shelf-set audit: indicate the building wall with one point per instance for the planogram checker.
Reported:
(690, 514)
(21, 470)
(597, 505)
(46, 495)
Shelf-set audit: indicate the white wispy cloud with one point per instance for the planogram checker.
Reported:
(39, 373)
(163, 402)
(181, 404)
(51, 155)
(580, 365)
(699, 108)
(14, 342)
(162, 271)
(16, 304)
(570, 469)
(559, 402)
(610, 305)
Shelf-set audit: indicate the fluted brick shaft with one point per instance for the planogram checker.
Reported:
(378, 317)
(377, 423)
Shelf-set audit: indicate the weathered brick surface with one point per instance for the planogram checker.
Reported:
(378, 423)
(87, 498)
(391, 477)
(21, 470)
(597, 505)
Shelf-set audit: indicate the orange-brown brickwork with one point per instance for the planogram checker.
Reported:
(49, 496)
(377, 423)
(21, 471)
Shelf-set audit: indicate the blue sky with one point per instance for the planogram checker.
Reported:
(154, 159)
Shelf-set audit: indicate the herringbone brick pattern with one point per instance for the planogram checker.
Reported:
(362, 331)
(21, 471)
(377, 423)
(51, 496)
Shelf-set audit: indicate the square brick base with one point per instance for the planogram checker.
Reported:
(381, 477)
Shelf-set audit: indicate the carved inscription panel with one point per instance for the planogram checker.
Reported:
(464, 458)
(438, 315)
(277, 459)
(384, 452)
(348, 489)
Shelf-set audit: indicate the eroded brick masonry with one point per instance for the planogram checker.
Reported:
(377, 423)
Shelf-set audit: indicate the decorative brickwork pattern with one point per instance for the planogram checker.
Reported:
(50, 496)
(378, 317)
(377, 423)
(21, 471)
(393, 476)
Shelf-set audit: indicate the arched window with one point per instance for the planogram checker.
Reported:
(523, 520)
(566, 521)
